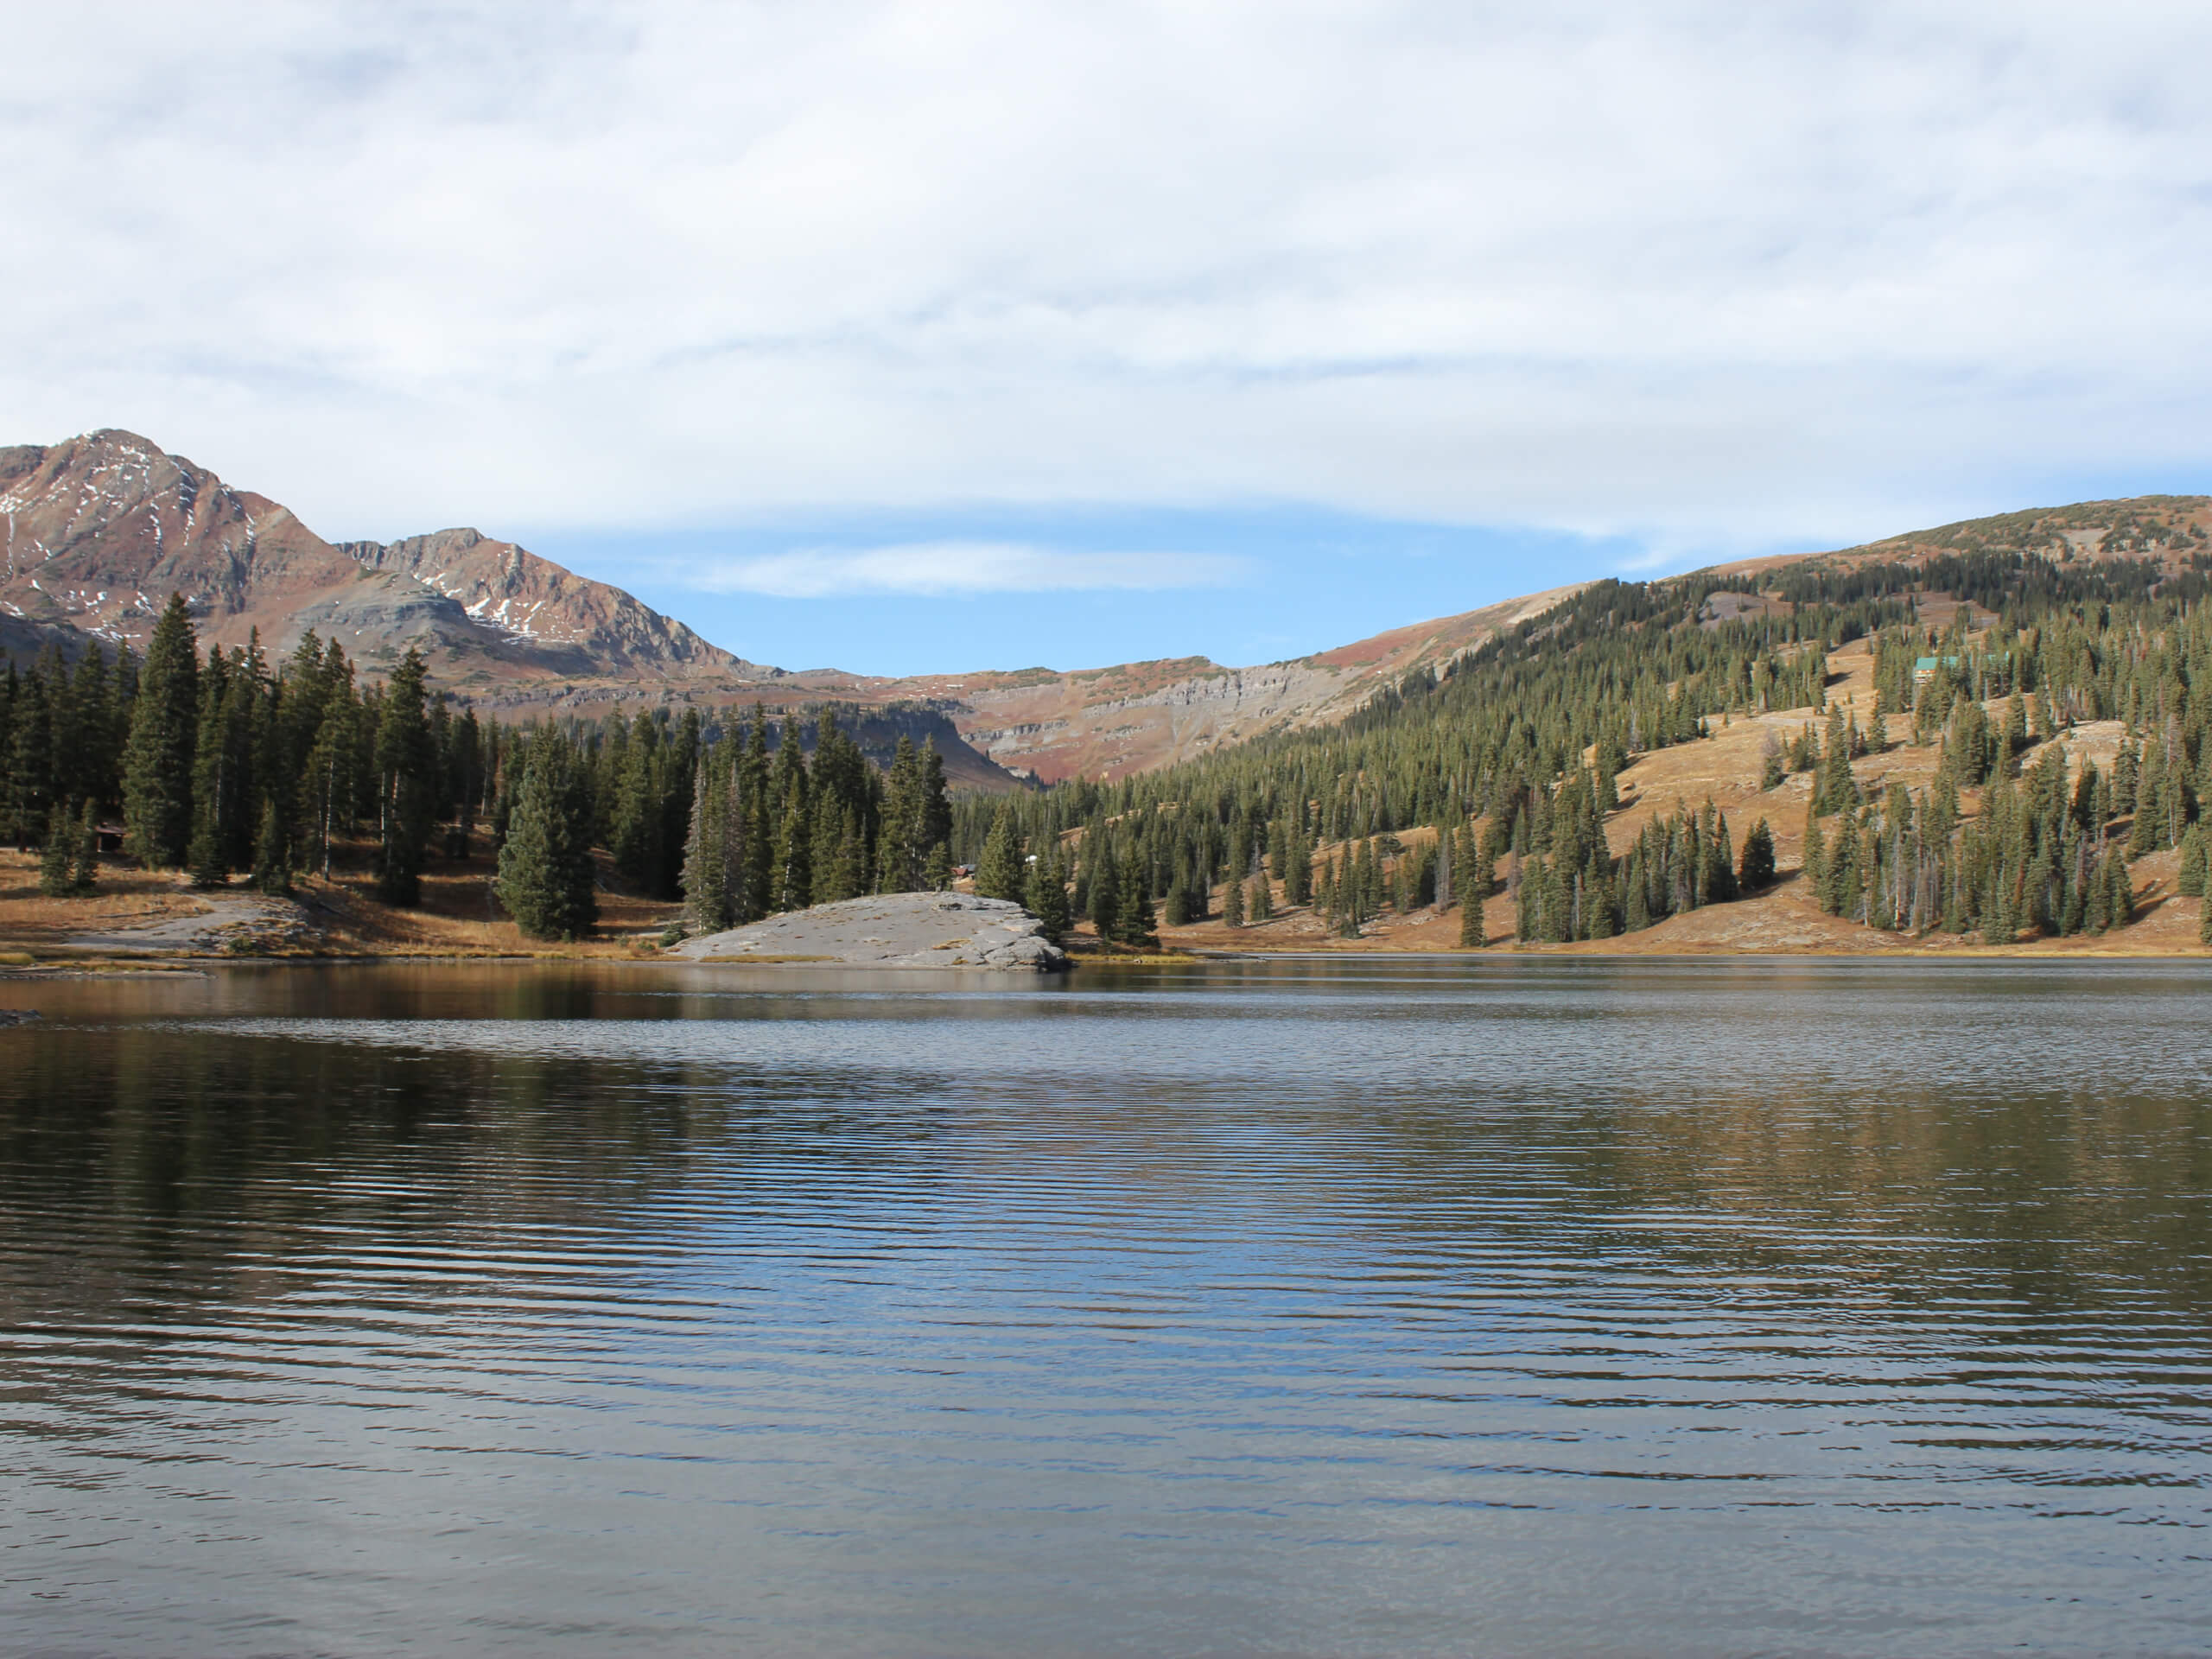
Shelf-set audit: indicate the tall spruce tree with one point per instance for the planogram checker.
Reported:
(406, 783)
(793, 875)
(1047, 894)
(85, 875)
(1472, 934)
(1103, 890)
(1136, 922)
(157, 762)
(1755, 873)
(1259, 902)
(709, 876)
(999, 873)
(546, 874)
(55, 858)
(30, 757)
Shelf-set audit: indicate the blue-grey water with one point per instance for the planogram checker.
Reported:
(1503, 1307)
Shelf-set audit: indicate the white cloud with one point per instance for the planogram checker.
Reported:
(956, 567)
(1681, 269)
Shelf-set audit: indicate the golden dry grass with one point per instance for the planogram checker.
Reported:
(459, 915)
(1783, 920)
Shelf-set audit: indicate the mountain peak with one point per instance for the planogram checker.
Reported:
(96, 532)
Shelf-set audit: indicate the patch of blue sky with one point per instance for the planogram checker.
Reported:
(1081, 587)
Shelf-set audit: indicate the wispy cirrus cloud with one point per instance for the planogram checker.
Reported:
(952, 568)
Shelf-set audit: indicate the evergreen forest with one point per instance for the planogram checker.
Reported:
(1501, 771)
(231, 768)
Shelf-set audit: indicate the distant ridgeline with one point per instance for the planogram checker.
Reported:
(1510, 755)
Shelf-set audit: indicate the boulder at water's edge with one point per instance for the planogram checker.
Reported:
(892, 930)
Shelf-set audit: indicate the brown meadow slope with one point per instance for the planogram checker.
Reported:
(1784, 919)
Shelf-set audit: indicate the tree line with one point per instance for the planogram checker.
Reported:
(1509, 755)
(1505, 759)
(224, 765)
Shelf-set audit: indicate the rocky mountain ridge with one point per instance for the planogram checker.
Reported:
(96, 532)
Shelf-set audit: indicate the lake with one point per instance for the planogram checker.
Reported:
(1511, 1306)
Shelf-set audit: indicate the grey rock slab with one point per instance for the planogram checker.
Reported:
(899, 929)
(224, 914)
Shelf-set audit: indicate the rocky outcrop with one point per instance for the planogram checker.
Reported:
(534, 603)
(896, 930)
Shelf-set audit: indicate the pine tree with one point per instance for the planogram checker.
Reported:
(901, 848)
(1755, 871)
(546, 874)
(753, 815)
(1999, 921)
(157, 762)
(216, 785)
(999, 873)
(30, 769)
(634, 836)
(1815, 859)
(1472, 935)
(937, 869)
(2120, 901)
(2143, 836)
(2190, 879)
(833, 853)
(794, 876)
(1137, 923)
(1048, 893)
(85, 875)
(707, 876)
(53, 872)
(2096, 899)
(1556, 925)
(1232, 904)
(1298, 872)
(405, 783)
(1832, 782)
(1720, 882)
(1105, 888)
(272, 863)
(1259, 903)
(936, 808)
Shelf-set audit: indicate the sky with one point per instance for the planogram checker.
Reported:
(906, 337)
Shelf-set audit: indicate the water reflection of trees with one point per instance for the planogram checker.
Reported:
(223, 1164)
(2065, 1198)
(2051, 1200)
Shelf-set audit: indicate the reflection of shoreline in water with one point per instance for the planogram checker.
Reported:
(1212, 1290)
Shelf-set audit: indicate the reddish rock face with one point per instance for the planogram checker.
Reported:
(98, 532)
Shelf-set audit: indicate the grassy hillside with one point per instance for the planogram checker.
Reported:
(1949, 740)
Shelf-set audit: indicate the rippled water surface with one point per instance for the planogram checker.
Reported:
(1510, 1307)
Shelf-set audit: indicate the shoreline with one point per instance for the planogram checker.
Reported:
(51, 961)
